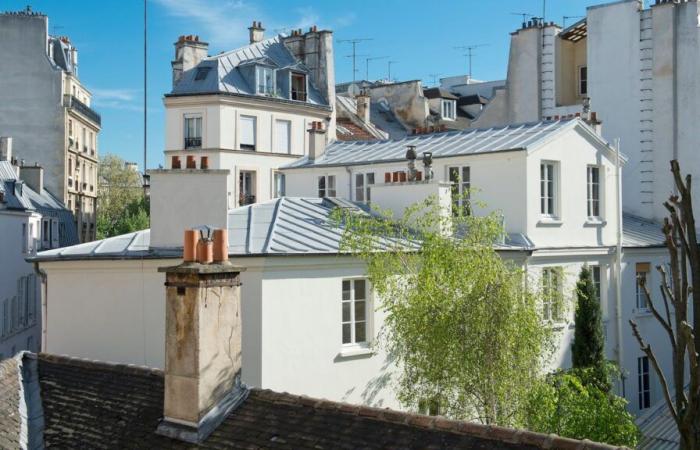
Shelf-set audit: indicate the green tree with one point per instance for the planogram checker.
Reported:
(566, 405)
(121, 206)
(588, 348)
(460, 322)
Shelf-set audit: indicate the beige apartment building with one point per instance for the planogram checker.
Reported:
(47, 111)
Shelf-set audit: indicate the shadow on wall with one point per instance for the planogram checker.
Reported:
(375, 386)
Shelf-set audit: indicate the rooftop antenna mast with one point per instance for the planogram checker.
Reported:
(469, 54)
(354, 43)
(564, 18)
(389, 63)
(524, 15)
(367, 60)
(434, 76)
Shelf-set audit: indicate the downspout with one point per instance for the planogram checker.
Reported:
(618, 265)
(347, 169)
(44, 306)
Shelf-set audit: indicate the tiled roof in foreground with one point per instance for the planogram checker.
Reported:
(89, 404)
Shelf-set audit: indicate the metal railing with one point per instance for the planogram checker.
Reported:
(193, 142)
(82, 108)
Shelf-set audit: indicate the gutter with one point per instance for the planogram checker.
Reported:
(618, 265)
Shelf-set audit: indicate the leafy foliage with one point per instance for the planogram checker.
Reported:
(588, 348)
(567, 405)
(460, 322)
(121, 206)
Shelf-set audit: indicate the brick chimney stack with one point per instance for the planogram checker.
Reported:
(317, 140)
(189, 51)
(363, 106)
(257, 32)
(202, 348)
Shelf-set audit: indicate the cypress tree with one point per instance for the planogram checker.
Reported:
(588, 348)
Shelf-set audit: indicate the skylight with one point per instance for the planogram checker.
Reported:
(202, 73)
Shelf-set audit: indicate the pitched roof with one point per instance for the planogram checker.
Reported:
(19, 196)
(224, 74)
(438, 92)
(639, 232)
(282, 226)
(456, 143)
(346, 130)
(658, 429)
(89, 404)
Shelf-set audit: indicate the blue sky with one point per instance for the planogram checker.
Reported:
(420, 36)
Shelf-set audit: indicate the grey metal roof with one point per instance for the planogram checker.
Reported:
(19, 196)
(639, 232)
(226, 76)
(658, 429)
(457, 143)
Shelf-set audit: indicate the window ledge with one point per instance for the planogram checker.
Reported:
(355, 352)
(595, 222)
(549, 222)
(642, 313)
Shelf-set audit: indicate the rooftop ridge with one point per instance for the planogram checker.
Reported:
(86, 363)
(268, 41)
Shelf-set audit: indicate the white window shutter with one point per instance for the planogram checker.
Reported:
(282, 131)
(54, 233)
(247, 130)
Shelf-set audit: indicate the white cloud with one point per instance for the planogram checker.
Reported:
(100, 94)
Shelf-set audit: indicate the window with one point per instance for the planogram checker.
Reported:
(246, 187)
(84, 139)
(547, 189)
(643, 385)
(448, 109)
(642, 276)
(430, 407)
(593, 189)
(202, 73)
(354, 305)
(460, 179)
(595, 274)
(283, 130)
(247, 134)
(265, 80)
(193, 132)
(583, 80)
(70, 127)
(326, 186)
(552, 294)
(363, 182)
(25, 238)
(299, 87)
(279, 188)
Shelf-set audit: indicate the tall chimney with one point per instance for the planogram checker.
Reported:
(257, 32)
(363, 105)
(202, 349)
(5, 148)
(34, 177)
(189, 51)
(317, 140)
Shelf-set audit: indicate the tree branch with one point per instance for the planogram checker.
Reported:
(666, 325)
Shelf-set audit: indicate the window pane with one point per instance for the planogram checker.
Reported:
(360, 286)
(360, 332)
(359, 187)
(321, 187)
(360, 311)
(282, 136)
(346, 290)
(346, 312)
(347, 337)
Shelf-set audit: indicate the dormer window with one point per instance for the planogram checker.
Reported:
(202, 73)
(299, 87)
(448, 109)
(265, 80)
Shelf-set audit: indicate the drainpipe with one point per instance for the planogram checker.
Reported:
(347, 169)
(618, 264)
(44, 307)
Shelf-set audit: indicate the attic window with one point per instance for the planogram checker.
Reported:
(299, 87)
(202, 73)
(265, 80)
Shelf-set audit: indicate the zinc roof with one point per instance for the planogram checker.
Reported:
(639, 232)
(455, 143)
(658, 429)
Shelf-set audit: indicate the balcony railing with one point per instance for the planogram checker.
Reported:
(193, 142)
(246, 199)
(298, 95)
(82, 108)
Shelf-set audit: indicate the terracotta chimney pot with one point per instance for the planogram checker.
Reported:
(189, 252)
(205, 251)
(220, 245)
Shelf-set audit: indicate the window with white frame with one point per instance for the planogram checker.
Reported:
(583, 80)
(247, 132)
(643, 382)
(246, 187)
(460, 179)
(595, 274)
(363, 183)
(354, 312)
(552, 294)
(25, 238)
(593, 191)
(283, 131)
(449, 108)
(326, 186)
(642, 276)
(265, 81)
(193, 131)
(279, 188)
(548, 188)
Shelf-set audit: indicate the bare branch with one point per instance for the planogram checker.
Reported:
(666, 325)
(666, 293)
(646, 348)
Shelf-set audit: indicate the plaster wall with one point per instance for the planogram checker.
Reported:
(405, 99)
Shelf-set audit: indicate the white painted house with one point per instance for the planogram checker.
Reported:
(247, 110)
(296, 281)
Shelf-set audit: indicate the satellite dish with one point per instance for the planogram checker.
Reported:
(354, 89)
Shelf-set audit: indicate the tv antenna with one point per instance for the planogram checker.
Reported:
(524, 15)
(389, 63)
(367, 60)
(354, 43)
(564, 18)
(434, 76)
(470, 52)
